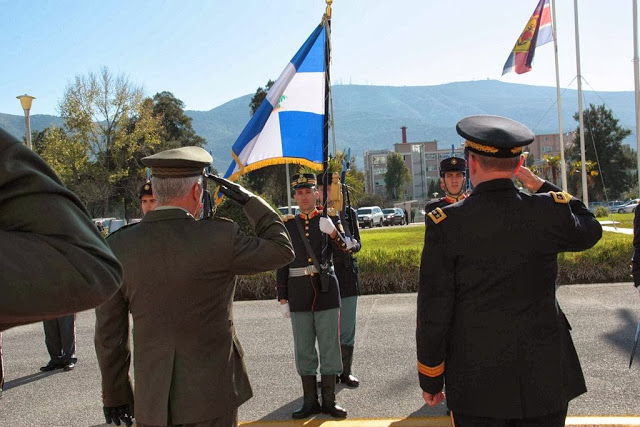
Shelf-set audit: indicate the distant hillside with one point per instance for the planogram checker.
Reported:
(370, 117)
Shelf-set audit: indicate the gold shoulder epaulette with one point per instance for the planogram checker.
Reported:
(561, 196)
(437, 215)
(287, 217)
(331, 212)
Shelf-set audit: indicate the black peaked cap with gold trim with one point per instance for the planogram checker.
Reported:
(303, 180)
(145, 190)
(452, 164)
(494, 136)
(178, 162)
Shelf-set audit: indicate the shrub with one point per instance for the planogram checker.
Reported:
(390, 263)
(601, 212)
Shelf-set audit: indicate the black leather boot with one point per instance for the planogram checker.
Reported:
(310, 403)
(347, 357)
(329, 397)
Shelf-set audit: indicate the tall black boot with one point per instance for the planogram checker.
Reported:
(310, 403)
(347, 358)
(329, 397)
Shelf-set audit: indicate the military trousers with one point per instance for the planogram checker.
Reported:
(348, 307)
(323, 327)
(556, 419)
(60, 338)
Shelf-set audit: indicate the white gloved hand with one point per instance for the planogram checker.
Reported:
(326, 225)
(284, 309)
(351, 243)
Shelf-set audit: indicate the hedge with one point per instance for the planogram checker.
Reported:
(390, 263)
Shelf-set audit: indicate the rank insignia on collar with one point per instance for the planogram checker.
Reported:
(437, 215)
(561, 196)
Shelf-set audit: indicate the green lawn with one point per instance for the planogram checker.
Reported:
(392, 238)
(625, 219)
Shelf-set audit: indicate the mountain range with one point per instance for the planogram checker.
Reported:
(371, 117)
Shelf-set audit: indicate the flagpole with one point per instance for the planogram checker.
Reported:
(585, 192)
(636, 82)
(287, 184)
(563, 166)
(325, 141)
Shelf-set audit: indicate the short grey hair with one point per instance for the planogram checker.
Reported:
(167, 189)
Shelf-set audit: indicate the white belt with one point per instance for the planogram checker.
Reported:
(302, 271)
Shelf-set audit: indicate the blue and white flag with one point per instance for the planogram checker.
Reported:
(288, 127)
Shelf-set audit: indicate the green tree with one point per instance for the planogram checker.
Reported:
(603, 145)
(433, 187)
(100, 111)
(177, 126)
(397, 176)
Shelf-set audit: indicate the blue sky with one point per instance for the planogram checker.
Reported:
(208, 52)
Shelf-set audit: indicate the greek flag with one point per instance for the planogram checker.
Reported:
(288, 127)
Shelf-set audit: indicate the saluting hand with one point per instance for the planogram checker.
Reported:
(234, 191)
(531, 181)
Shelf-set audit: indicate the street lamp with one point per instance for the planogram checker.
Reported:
(25, 101)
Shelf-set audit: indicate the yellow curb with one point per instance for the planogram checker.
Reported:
(432, 422)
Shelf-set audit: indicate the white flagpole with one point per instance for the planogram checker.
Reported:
(563, 166)
(585, 192)
(636, 82)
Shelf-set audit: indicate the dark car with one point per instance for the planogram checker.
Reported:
(393, 216)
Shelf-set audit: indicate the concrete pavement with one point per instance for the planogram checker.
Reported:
(603, 316)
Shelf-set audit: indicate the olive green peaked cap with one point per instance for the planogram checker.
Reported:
(178, 162)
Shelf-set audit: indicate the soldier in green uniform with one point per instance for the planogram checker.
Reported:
(53, 259)
(346, 267)
(148, 201)
(313, 302)
(452, 181)
(489, 327)
(179, 282)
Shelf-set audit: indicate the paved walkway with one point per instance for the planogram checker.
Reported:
(603, 316)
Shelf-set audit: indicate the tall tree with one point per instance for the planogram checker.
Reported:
(177, 126)
(397, 176)
(98, 110)
(603, 145)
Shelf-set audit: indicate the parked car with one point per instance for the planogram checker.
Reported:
(369, 216)
(393, 216)
(284, 210)
(629, 206)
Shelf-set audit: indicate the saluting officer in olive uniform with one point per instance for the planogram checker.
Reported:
(179, 282)
(452, 181)
(53, 260)
(314, 311)
(346, 267)
(489, 327)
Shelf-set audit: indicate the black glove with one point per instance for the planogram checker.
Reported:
(232, 190)
(116, 414)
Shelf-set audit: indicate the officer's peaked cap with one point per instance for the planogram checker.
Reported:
(178, 162)
(494, 136)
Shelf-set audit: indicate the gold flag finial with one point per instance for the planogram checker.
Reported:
(328, 11)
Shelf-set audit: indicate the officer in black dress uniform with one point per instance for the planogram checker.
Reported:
(314, 306)
(148, 201)
(452, 181)
(489, 326)
(346, 266)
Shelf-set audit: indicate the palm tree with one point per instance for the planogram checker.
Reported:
(575, 173)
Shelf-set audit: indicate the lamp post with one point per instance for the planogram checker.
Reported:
(25, 101)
